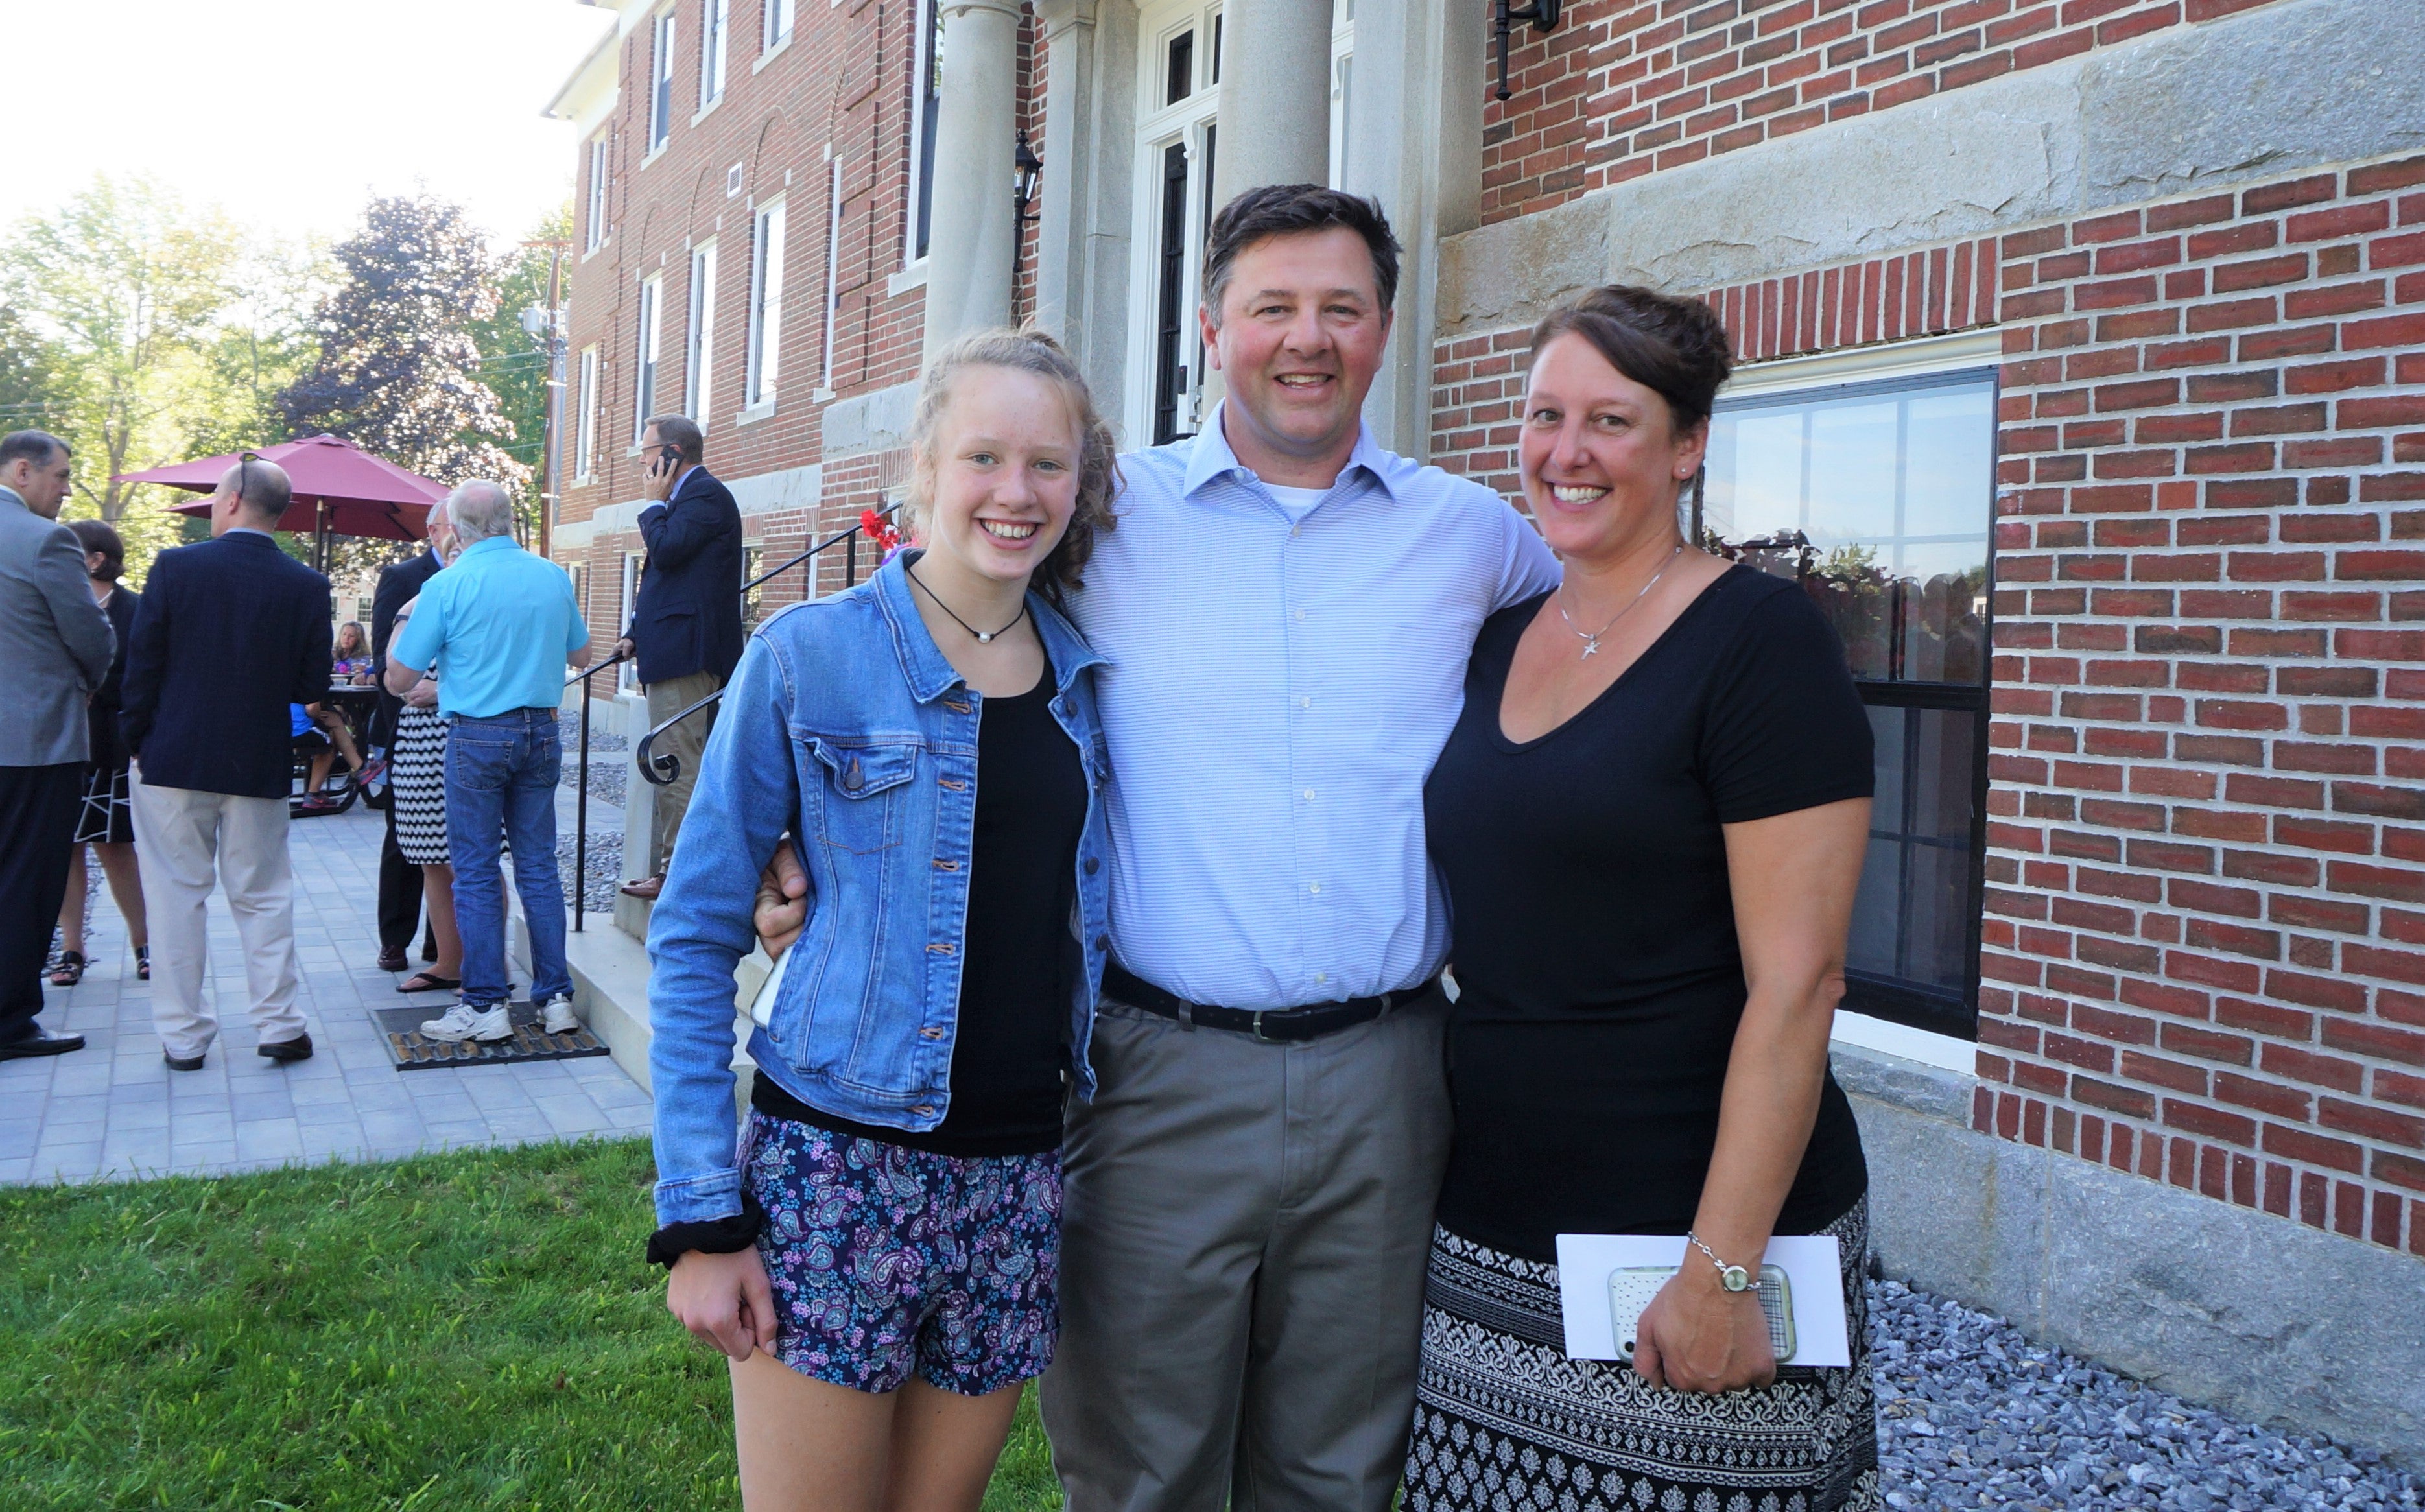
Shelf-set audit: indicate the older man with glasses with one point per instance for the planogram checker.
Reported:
(500, 625)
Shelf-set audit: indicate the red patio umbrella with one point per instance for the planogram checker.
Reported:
(339, 489)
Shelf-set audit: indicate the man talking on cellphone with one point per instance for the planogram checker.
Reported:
(686, 628)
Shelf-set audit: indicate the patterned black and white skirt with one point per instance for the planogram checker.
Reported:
(104, 818)
(417, 777)
(1505, 1420)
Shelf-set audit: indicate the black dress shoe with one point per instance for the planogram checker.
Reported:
(298, 1048)
(38, 1043)
(392, 958)
(185, 1063)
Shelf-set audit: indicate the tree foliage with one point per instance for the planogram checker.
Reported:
(398, 369)
(513, 362)
(111, 308)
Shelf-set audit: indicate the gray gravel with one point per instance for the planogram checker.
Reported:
(1972, 1414)
(605, 868)
(606, 759)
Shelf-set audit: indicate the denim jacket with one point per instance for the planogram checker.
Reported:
(844, 726)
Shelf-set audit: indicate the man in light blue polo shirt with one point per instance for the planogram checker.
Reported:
(499, 626)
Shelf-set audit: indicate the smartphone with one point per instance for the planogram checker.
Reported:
(1630, 1289)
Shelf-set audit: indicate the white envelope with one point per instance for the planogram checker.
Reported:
(1811, 1263)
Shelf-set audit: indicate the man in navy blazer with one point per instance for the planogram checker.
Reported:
(686, 624)
(230, 632)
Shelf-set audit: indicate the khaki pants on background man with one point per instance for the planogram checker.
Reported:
(685, 742)
(191, 841)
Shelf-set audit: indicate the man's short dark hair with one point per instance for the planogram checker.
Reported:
(1285, 209)
(35, 446)
(681, 432)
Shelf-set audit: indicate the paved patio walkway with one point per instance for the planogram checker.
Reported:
(113, 1109)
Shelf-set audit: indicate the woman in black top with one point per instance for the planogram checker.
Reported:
(1649, 822)
(105, 821)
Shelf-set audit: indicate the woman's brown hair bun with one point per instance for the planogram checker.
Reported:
(1676, 348)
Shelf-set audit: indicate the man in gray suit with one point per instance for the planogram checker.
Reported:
(54, 649)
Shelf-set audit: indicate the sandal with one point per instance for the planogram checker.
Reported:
(143, 963)
(70, 970)
(431, 982)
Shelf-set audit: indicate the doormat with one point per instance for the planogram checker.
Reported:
(412, 1051)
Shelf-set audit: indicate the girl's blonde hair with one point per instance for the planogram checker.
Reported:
(1026, 352)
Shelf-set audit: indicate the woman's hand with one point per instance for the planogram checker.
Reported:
(724, 1299)
(783, 908)
(1697, 1336)
(424, 695)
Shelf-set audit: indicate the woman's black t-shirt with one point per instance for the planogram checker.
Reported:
(1009, 1051)
(1593, 929)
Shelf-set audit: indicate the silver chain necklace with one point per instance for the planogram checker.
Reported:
(1591, 638)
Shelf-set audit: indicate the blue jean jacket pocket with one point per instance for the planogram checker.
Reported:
(861, 801)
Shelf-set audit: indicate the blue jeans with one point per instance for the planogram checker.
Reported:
(501, 776)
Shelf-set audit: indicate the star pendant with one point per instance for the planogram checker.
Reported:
(1591, 645)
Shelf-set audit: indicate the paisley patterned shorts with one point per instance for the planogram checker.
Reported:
(887, 1261)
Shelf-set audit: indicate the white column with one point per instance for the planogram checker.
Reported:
(1063, 203)
(1413, 131)
(1275, 96)
(968, 277)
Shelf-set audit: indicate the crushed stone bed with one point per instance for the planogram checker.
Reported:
(1972, 1414)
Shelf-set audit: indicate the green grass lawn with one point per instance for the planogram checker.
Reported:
(458, 1332)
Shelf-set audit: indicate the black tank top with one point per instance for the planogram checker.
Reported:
(1010, 1050)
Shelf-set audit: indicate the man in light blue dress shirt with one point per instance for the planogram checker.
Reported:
(1288, 610)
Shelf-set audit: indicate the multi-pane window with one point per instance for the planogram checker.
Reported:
(766, 304)
(925, 112)
(777, 22)
(661, 81)
(698, 347)
(712, 15)
(644, 392)
(1878, 497)
(584, 424)
(594, 233)
(753, 593)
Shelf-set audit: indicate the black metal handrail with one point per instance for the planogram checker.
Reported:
(660, 770)
(651, 765)
(581, 794)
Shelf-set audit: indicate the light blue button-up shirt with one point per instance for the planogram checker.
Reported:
(1279, 685)
(499, 623)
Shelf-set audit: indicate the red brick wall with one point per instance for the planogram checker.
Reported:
(845, 82)
(2205, 945)
(1624, 87)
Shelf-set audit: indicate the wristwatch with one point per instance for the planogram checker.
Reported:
(1732, 1278)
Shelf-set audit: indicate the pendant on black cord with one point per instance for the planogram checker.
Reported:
(984, 637)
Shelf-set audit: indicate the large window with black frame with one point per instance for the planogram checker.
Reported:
(1878, 497)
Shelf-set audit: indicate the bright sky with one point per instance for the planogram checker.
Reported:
(291, 113)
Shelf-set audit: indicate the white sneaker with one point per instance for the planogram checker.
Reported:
(464, 1021)
(558, 1015)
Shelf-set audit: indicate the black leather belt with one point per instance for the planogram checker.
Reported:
(1272, 1025)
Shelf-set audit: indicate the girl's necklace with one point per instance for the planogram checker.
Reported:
(1590, 637)
(985, 638)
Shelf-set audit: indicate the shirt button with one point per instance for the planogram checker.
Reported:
(1313, 887)
(1308, 795)
(1304, 703)
(1296, 614)
(1102, 942)
(1294, 529)
(1094, 864)
(1320, 977)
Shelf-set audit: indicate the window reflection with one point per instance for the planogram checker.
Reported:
(1878, 499)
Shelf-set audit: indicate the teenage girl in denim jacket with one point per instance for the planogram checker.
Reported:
(879, 1258)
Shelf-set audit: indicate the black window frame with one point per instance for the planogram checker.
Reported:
(1894, 999)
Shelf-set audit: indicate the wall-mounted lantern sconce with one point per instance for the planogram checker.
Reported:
(1025, 169)
(1542, 14)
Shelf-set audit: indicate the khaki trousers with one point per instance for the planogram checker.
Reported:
(190, 840)
(685, 742)
(1245, 1232)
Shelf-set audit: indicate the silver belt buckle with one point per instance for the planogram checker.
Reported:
(1259, 1027)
